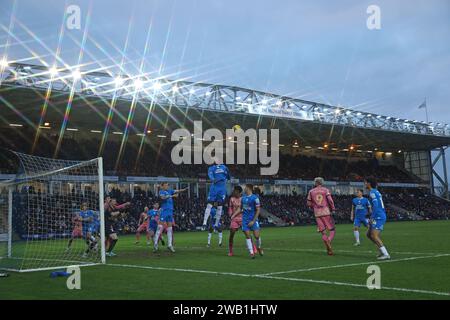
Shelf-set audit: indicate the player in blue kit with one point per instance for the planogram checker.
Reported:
(166, 215)
(153, 218)
(212, 228)
(250, 212)
(360, 209)
(218, 174)
(89, 227)
(377, 218)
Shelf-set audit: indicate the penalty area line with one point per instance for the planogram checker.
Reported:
(244, 275)
(355, 264)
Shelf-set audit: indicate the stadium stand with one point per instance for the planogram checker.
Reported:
(158, 163)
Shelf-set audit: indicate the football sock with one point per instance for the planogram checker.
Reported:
(207, 213)
(356, 233)
(384, 251)
(209, 238)
(220, 237)
(258, 242)
(169, 236)
(157, 235)
(249, 245)
(218, 215)
(112, 245)
(332, 234)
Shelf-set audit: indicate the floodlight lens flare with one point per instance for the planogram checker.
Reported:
(4, 63)
(138, 83)
(53, 71)
(157, 86)
(76, 74)
(118, 81)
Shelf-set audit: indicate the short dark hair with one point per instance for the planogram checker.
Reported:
(238, 189)
(372, 181)
(361, 190)
(250, 186)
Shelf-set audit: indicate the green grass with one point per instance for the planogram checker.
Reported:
(286, 249)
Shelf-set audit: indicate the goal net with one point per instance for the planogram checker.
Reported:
(51, 215)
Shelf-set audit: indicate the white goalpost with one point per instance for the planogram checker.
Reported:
(52, 215)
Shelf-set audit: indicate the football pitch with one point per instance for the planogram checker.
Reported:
(294, 266)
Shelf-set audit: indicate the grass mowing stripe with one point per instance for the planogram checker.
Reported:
(336, 283)
(194, 248)
(355, 251)
(355, 264)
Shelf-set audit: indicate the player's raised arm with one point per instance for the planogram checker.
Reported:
(122, 206)
(211, 173)
(180, 190)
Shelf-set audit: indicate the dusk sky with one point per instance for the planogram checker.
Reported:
(316, 50)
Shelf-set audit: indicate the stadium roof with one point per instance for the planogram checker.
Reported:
(163, 105)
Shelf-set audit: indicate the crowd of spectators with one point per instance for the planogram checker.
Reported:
(39, 214)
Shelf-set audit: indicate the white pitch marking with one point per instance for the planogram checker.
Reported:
(354, 264)
(337, 283)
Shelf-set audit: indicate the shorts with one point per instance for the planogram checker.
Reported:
(361, 220)
(324, 223)
(166, 216)
(77, 233)
(109, 229)
(89, 229)
(217, 194)
(153, 226)
(236, 223)
(212, 222)
(254, 227)
(142, 227)
(377, 224)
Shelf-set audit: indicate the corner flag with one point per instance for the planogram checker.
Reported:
(423, 105)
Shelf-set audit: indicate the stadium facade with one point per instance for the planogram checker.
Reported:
(39, 102)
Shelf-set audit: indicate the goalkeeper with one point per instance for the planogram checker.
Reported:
(111, 213)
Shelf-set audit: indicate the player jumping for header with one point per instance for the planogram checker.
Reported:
(212, 228)
(320, 200)
(218, 174)
(377, 218)
(360, 208)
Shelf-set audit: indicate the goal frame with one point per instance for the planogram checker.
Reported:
(18, 180)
